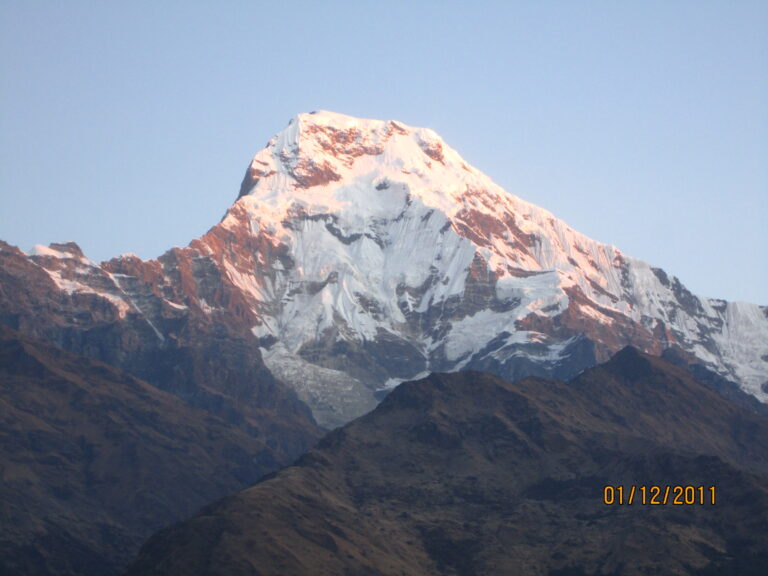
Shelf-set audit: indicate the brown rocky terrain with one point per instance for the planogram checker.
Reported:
(466, 474)
(125, 319)
(94, 460)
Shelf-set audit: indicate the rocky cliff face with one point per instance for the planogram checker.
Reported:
(465, 474)
(361, 253)
(120, 313)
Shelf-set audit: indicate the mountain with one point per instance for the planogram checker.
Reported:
(361, 253)
(94, 460)
(466, 474)
(131, 322)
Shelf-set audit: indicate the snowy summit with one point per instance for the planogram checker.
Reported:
(360, 253)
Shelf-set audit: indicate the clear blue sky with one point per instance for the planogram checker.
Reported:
(127, 126)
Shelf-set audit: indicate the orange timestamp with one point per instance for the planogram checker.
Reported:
(659, 495)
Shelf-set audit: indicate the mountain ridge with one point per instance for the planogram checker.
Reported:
(360, 253)
(95, 460)
(466, 474)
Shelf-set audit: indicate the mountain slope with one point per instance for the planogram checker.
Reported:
(131, 322)
(465, 474)
(93, 461)
(361, 253)
(394, 240)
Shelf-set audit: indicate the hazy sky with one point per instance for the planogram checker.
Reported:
(127, 126)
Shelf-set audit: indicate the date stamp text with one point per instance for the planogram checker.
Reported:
(659, 495)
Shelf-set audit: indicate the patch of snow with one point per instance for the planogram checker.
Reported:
(47, 251)
(136, 307)
(205, 307)
(393, 383)
(72, 286)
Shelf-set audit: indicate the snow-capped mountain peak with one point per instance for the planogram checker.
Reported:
(360, 253)
(390, 236)
(319, 149)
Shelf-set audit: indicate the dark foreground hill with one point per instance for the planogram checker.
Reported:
(94, 460)
(466, 474)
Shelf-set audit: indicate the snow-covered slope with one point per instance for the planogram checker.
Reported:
(391, 239)
(362, 252)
